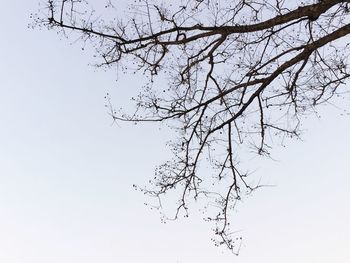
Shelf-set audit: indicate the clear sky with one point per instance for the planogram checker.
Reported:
(66, 173)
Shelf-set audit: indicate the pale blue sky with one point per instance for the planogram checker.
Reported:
(66, 173)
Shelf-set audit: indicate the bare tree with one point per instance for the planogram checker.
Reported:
(240, 73)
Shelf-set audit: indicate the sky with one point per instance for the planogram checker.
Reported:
(66, 172)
